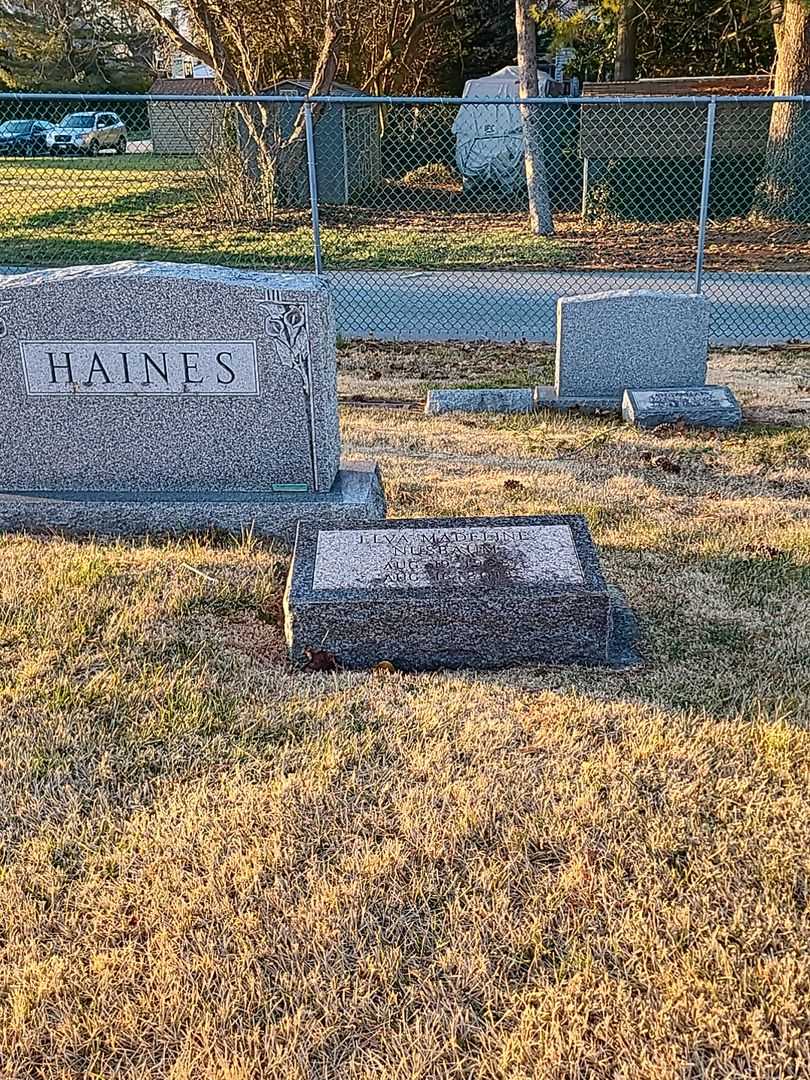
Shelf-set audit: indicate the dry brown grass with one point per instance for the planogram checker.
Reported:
(214, 866)
(772, 385)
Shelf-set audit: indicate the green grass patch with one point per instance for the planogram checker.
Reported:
(69, 210)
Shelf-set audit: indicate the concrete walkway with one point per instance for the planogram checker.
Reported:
(513, 305)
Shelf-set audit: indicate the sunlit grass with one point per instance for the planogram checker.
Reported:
(212, 865)
(144, 205)
(73, 210)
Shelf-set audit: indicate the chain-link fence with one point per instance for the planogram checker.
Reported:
(420, 219)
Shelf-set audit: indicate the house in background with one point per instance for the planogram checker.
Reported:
(168, 58)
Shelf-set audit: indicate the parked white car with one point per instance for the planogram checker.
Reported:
(88, 133)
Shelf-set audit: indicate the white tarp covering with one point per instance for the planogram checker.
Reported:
(489, 142)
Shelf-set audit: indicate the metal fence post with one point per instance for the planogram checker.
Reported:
(313, 188)
(704, 194)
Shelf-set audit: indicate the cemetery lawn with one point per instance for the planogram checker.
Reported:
(214, 866)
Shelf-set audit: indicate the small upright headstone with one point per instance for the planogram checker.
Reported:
(607, 342)
(163, 397)
(705, 406)
(461, 592)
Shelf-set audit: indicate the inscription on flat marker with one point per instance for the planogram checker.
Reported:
(421, 558)
(704, 406)
(140, 367)
(424, 594)
(675, 399)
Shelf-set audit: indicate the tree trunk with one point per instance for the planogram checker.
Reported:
(624, 69)
(784, 194)
(291, 174)
(540, 220)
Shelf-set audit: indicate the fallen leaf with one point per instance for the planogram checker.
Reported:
(764, 550)
(319, 660)
(666, 464)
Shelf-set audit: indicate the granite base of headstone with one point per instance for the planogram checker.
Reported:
(355, 496)
(706, 407)
(546, 397)
(436, 593)
(160, 397)
(497, 400)
(609, 341)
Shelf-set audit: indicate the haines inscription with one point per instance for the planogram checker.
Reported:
(140, 367)
(145, 378)
(413, 558)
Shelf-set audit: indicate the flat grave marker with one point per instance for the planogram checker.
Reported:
(706, 406)
(517, 399)
(438, 593)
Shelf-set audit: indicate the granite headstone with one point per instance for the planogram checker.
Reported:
(486, 400)
(705, 406)
(158, 396)
(437, 593)
(607, 342)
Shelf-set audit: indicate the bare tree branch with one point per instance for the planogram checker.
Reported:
(403, 41)
(167, 27)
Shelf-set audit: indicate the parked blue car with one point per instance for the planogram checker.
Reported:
(24, 138)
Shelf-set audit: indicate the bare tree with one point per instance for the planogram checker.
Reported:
(540, 219)
(379, 45)
(390, 43)
(384, 44)
(74, 45)
(226, 38)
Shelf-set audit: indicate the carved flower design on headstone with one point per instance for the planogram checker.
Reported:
(286, 325)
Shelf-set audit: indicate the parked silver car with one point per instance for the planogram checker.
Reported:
(88, 133)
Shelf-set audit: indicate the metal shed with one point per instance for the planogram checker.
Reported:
(184, 127)
(347, 141)
(347, 138)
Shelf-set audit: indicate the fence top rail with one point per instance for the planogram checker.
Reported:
(353, 100)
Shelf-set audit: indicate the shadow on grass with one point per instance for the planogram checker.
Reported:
(69, 251)
(22, 168)
(108, 226)
(737, 652)
(128, 233)
(69, 216)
